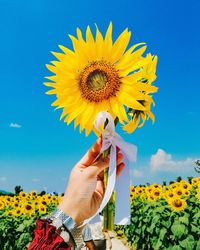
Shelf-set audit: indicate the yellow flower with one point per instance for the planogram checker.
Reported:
(186, 192)
(22, 194)
(2, 205)
(101, 75)
(195, 181)
(28, 208)
(151, 197)
(174, 185)
(9, 213)
(15, 204)
(185, 185)
(42, 209)
(169, 194)
(139, 190)
(148, 190)
(178, 191)
(17, 212)
(157, 186)
(33, 193)
(177, 204)
(198, 196)
(156, 192)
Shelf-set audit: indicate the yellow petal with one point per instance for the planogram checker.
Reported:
(129, 58)
(118, 110)
(59, 56)
(67, 51)
(131, 126)
(75, 113)
(89, 36)
(129, 101)
(51, 92)
(120, 45)
(108, 39)
(99, 44)
(49, 84)
(51, 68)
(79, 35)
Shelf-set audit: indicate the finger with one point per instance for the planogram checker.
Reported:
(120, 158)
(120, 168)
(99, 166)
(100, 187)
(91, 154)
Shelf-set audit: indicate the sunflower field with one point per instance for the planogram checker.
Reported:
(164, 217)
(17, 217)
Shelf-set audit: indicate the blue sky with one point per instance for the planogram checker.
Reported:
(40, 152)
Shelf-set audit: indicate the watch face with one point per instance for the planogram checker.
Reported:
(65, 236)
(57, 222)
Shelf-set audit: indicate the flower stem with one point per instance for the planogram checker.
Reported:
(108, 212)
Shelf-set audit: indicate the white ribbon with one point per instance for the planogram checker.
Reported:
(111, 139)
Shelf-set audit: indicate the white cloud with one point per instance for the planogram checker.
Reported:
(163, 161)
(137, 173)
(3, 178)
(35, 180)
(14, 125)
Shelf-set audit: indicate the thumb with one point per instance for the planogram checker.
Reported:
(98, 166)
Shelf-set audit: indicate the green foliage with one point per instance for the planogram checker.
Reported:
(16, 233)
(155, 227)
(18, 189)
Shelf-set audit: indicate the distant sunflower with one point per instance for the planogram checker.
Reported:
(2, 205)
(42, 209)
(177, 204)
(17, 212)
(101, 75)
(28, 209)
(156, 193)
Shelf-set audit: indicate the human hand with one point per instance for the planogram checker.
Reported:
(85, 189)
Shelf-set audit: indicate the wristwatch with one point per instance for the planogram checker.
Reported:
(67, 227)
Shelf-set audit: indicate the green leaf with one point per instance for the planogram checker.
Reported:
(157, 245)
(188, 243)
(163, 231)
(178, 229)
(166, 223)
(184, 220)
(176, 247)
(20, 228)
(156, 219)
(195, 229)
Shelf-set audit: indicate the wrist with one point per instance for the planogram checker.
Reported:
(70, 211)
(60, 219)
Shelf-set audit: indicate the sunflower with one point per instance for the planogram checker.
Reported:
(185, 185)
(17, 212)
(28, 209)
(9, 213)
(101, 75)
(151, 197)
(169, 194)
(42, 209)
(177, 204)
(179, 191)
(195, 181)
(156, 193)
(2, 205)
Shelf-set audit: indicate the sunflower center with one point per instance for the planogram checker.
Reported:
(28, 207)
(99, 81)
(177, 203)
